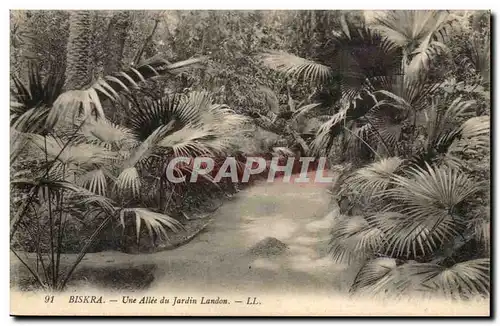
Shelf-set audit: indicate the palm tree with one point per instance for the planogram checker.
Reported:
(476, 57)
(363, 60)
(421, 34)
(156, 131)
(420, 223)
(389, 275)
(32, 101)
(117, 34)
(78, 70)
(47, 125)
(369, 71)
(421, 227)
(406, 221)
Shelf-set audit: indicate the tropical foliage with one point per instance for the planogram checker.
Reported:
(71, 164)
(411, 214)
(102, 102)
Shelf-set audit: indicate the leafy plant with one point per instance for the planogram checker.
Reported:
(70, 150)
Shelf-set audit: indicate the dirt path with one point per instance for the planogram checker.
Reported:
(298, 215)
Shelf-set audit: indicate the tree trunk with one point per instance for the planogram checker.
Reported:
(78, 60)
(117, 35)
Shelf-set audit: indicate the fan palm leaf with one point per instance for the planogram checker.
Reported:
(440, 124)
(420, 33)
(375, 178)
(108, 134)
(363, 59)
(381, 275)
(34, 99)
(377, 275)
(297, 67)
(476, 57)
(148, 113)
(353, 239)
(305, 109)
(471, 138)
(86, 102)
(33, 120)
(95, 181)
(329, 129)
(82, 199)
(467, 278)
(475, 132)
(406, 238)
(481, 227)
(195, 141)
(405, 93)
(156, 224)
(446, 188)
(422, 214)
(77, 154)
(129, 178)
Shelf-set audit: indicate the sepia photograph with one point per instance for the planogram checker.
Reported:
(250, 163)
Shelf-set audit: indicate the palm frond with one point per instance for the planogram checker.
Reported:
(476, 57)
(106, 133)
(338, 122)
(373, 179)
(87, 102)
(421, 33)
(468, 278)
(193, 141)
(382, 275)
(354, 239)
(363, 58)
(82, 199)
(329, 129)
(407, 238)
(406, 92)
(440, 123)
(296, 67)
(148, 113)
(78, 154)
(147, 147)
(387, 124)
(36, 92)
(481, 227)
(305, 109)
(472, 138)
(475, 131)
(33, 120)
(95, 181)
(375, 275)
(33, 100)
(156, 224)
(445, 187)
(476, 127)
(129, 180)
(422, 214)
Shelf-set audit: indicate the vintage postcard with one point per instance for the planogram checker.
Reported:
(250, 163)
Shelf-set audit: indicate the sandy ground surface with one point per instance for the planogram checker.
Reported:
(297, 215)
